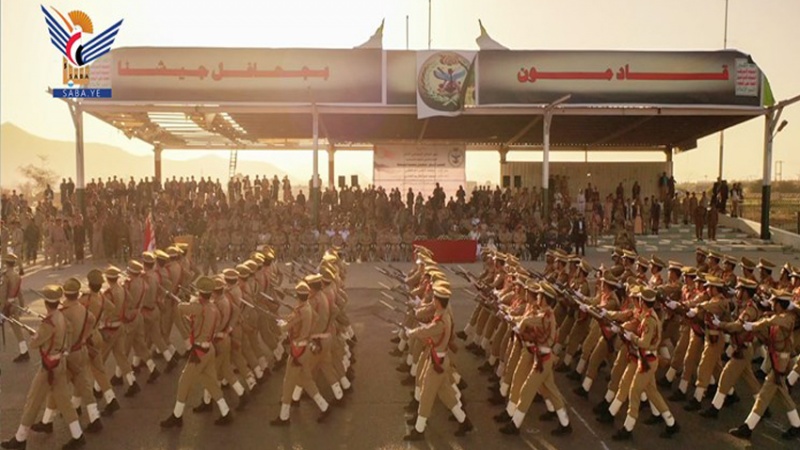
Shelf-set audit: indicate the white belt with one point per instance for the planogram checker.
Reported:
(56, 356)
(205, 345)
(784, 355)
(321, 336)
(221, 334)
(544, 350)
(112, 324)
(441, 354)
(300, 343)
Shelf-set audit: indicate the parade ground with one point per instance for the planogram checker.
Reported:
(373, 415)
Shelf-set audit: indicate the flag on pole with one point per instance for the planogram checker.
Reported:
(149, 234)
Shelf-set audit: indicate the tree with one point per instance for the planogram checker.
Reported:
(38, 177)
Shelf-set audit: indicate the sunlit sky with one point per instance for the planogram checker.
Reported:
(766, 29)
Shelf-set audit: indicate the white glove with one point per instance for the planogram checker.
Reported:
(716, 321)
(628, 335)
(672, 304)
(584, 308)
(691, 313)
(792, 306)
(603, 313)
(748, 326)
(516, 330)
(282, 323)
(614, 329)
(496, 293)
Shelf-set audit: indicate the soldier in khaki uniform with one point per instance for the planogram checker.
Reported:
(200, 368)
(641, 343)
(101, 308)
(779, 328)
(51, 378)
(538, 333)
(151, 309)
(81, 323)
(716, 308)
(135, 291)
(114, 333)
(10, 298)
(298, 372)
(739, 366)
(435, 377)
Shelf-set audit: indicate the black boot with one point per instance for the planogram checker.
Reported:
(14, 443)
(110, 408)
(41, 427)
(664, 382)
(133, 390)
(574, 376)
(408, 381)
(74, 443)
(227, 419)
(732, 399)
(677, 396)
(116, 381)
(243, 399)
(403, 368)
(395, 340)
(414, 435)
(791, 433)
(411, 421)
(172, 421)
(509, 428)
(462, 385)
(95, 427)
(464, 427)
(462, 335)
(412, 406)
(710, 413)
(693, 405)
(171, 365)
(580, 392)
(605, 417)
(743, 431)
(153, 376)
(22, 357)
(502, 417)
(622, 435)
(395, 352)
(652, 420)
(670, 431)
(203, 408)
(278, 422)
(600, 407)
(562, 430)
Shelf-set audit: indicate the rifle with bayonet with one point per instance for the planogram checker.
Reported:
(18, 323)
(30, 311)
(393, 276)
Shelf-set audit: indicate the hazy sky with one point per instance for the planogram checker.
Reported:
(767, 29)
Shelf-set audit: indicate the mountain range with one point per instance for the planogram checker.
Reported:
(19, 148)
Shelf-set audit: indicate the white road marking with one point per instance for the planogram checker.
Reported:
(586, 424)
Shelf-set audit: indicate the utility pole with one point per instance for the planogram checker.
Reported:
(429, 24)
(722, 133)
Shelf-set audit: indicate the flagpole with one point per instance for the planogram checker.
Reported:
(429, 24)
(406, 31)
(722, 133)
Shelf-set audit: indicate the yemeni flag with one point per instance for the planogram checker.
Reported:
(149, 234)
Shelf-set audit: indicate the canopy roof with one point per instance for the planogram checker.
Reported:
(213, 98)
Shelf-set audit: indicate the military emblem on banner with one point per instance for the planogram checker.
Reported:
(443, 81)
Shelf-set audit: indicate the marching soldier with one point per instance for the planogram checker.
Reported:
(436, 371)
(51, 378)
(115, 334)
(200, 368)
(298, 372)
(10, 299)
(778, 328)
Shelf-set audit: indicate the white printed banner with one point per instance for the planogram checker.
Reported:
(420, 167)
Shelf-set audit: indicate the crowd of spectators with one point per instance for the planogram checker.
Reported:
(372, 223)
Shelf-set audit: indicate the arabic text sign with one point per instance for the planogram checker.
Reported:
(420, 167)
(266, 75)
(536, 77)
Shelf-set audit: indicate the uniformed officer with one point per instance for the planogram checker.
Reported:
(51, 378)
(203, 318)
(10, 298)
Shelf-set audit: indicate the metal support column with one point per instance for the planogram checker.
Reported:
(157, 160)
(766, 181)
(670, 165)
(331, 172)
(80, 185)
(548, 117)
(315, 183)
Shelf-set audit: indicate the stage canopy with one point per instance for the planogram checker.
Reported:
(242, 98)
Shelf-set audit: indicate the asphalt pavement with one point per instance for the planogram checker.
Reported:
(372, 416)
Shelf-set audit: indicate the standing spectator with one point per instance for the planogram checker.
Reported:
(620, 191)
(686, 207)
(79, 238)
(700, 216)
(655, 214)
(736, 200)
(646, 211)
(667, 211)
(636, 190)
(662, 186)
(713, 218)
(579, 234)
(580, 202)
(723, 196)
(62, 190)
(32, 236)
(637, 217)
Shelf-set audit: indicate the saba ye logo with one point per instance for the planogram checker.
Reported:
(74, 36)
